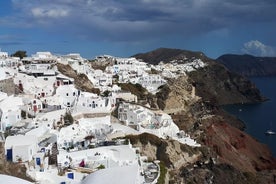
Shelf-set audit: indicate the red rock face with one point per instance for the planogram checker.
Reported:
(238, 149)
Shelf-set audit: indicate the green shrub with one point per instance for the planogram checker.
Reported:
(101, 166)
(68, 118)
(163, 172)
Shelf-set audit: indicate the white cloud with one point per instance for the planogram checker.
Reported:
(257, 48)
(51, 13)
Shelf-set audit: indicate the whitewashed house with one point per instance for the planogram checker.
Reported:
(119, 95)
(123, 95)
(153, 122)
(63, 80)
(100, 78)
(9, 61)
(38, 86)
(36, 105)
(10, 112)
(43, 57)
(39, 69)
(3, 74)
(89, 102)
(75, 135)
(21, 147)
(67, 95)
(109, 156)
(132, 114)
(151, 82)
(71, 59)
(4, 54)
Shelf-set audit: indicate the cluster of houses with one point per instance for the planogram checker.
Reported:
(65, 135)
(176, 68)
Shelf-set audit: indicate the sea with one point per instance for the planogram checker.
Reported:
(259, 117)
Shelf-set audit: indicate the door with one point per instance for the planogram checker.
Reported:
(38, 161)
(9, 154)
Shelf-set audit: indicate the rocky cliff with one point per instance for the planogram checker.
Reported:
(248, 65)
(220, 86)
(213, 82)
(227, 154)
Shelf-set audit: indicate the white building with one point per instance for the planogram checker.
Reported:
(7, 179)
(39, 69)
(10, 112)
(40, 57)
(38, 86)
(21, 147)
(131, 175)
(63, 80)
(4, 54)
(67, 95)
(89, 102)
(74, 135)
(151, 82)
(44, 56)
(100, 78)
(133, 114)
(9, 61)
(109, 156)
(35, 106)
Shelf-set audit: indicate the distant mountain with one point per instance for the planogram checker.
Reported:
(248, 65)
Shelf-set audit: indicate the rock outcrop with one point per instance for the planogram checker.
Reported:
(81, 81)
(236, 148)
(171, 153)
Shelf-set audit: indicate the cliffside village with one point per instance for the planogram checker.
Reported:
(65, 135)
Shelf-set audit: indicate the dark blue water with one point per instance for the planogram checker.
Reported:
(259, 117)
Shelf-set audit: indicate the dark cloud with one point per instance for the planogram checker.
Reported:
(137, 20)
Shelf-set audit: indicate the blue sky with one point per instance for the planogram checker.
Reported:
(126, 27)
